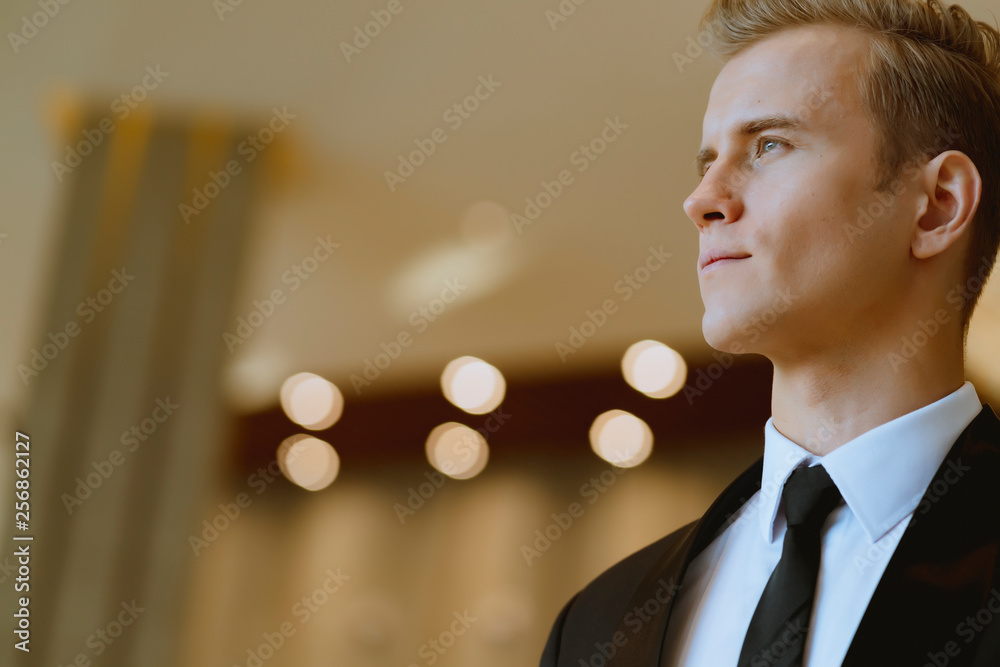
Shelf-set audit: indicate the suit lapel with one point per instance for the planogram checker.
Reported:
(943, 568)
(644, 632)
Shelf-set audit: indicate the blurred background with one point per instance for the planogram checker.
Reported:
(361, 333)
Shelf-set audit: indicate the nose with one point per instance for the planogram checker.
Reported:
(715, 198)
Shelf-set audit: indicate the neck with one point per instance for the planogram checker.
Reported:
(827, 400)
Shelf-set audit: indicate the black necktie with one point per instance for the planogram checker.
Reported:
(777, 633)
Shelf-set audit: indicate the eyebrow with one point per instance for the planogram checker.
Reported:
(749, 128)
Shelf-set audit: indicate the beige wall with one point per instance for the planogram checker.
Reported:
(461, 551)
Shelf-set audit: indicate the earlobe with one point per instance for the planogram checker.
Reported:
(952, 188)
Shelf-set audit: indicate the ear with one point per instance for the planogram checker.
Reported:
(951, 191)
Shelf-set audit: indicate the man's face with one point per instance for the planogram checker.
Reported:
(785, 196)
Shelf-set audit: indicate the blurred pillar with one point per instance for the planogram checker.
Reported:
(126, 420)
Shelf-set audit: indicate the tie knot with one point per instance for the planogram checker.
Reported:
(810, 495)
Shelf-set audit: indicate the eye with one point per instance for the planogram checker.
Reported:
(766, 141)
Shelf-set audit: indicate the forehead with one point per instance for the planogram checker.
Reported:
(810, 72)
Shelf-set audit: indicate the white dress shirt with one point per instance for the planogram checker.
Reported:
(881, 474)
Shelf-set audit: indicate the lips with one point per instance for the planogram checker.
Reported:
(709, 257)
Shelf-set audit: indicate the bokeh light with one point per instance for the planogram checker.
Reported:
(308, 461)
(311, 401)
(654, 369)
(457, 450)
(473, 385)
(621, 438)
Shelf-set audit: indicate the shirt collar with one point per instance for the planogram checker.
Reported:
(883, 473)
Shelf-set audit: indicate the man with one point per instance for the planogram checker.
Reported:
(850, 169)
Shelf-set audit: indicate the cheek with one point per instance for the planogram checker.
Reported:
(788, 230)
(801, 220)
(811, 255)
(824, 218)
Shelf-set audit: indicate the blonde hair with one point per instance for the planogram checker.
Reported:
(930, 82)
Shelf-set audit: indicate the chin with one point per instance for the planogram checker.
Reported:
(719, 333)
(724, 333)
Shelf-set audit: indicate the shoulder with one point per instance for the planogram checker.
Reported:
(594, 614)
(615, 586)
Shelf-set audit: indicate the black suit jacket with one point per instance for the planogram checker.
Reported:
(937, 603)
